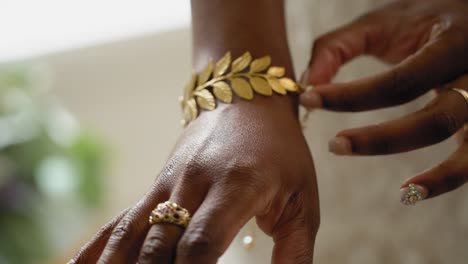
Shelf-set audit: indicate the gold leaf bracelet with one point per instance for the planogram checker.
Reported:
(245, 77)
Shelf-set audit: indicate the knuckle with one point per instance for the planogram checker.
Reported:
(166, 175)
(195, 166)
(124, 231)
(341, 52)
(76, 259)
(443, 125)
(459, 34)
(312, 219)
(194, 171)
(80, 257)
(198, 242)
(343, 100)
(373, 143)
(381, 146)
(453, 181)
(155, 245)
(370, 17)
(329, 43)
(320, 42)
(401, 87)
(454, 175)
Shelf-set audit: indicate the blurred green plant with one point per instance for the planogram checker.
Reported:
(49, 169)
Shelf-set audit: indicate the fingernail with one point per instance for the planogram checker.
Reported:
(309, 88)
(412, 194)
(305, 77)
(311, 99)
(340, 146)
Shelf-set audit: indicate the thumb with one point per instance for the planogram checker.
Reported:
(294, 235)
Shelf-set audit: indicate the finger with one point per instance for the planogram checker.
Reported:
(161, 241)
(411, 78)
(128, 234)
(294, 235)
(223, 213)
(440, 119)
(334, 49)
(376, 33)
(90, 252)
(443, 178)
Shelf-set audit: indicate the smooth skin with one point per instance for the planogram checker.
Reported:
(242, 160)
(427, 41)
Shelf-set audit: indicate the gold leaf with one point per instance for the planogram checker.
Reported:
(276, 85)
(192, 106)
(186, 116)
(242, 88)
(301, 88)
(206, 73)
(190, 86)
(223, 92)
(205, 99)
(190, 111)
(288, 84)
(222, 65)
(261, 86)
(182, 102)
(241, 63)
(260, 64)
(276, 71)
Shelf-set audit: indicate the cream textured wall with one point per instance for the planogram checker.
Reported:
(128, 92)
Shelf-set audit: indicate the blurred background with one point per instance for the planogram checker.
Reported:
(89, 113)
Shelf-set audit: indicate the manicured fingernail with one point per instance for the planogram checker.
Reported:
(311, 99)
(305, 77)
(340, 146)
(412, 194)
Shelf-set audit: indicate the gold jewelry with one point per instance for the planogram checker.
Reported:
(169, 212)
(464, 94)
(245, 77)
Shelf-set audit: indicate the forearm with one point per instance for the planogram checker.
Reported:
(243, 25)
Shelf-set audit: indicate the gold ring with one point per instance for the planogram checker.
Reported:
(462, 93)
(170, 212)
(465, 96)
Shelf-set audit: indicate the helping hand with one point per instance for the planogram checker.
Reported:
(428, 41)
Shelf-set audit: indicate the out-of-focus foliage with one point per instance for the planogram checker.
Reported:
(49, 169)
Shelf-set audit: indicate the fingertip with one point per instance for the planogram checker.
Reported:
(413, 193)
(311, 99)
(340, 146)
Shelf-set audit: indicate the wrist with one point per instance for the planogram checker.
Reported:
(279, 110)
(245, 77)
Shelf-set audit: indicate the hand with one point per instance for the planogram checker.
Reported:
(231, 164)
(428, 42)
